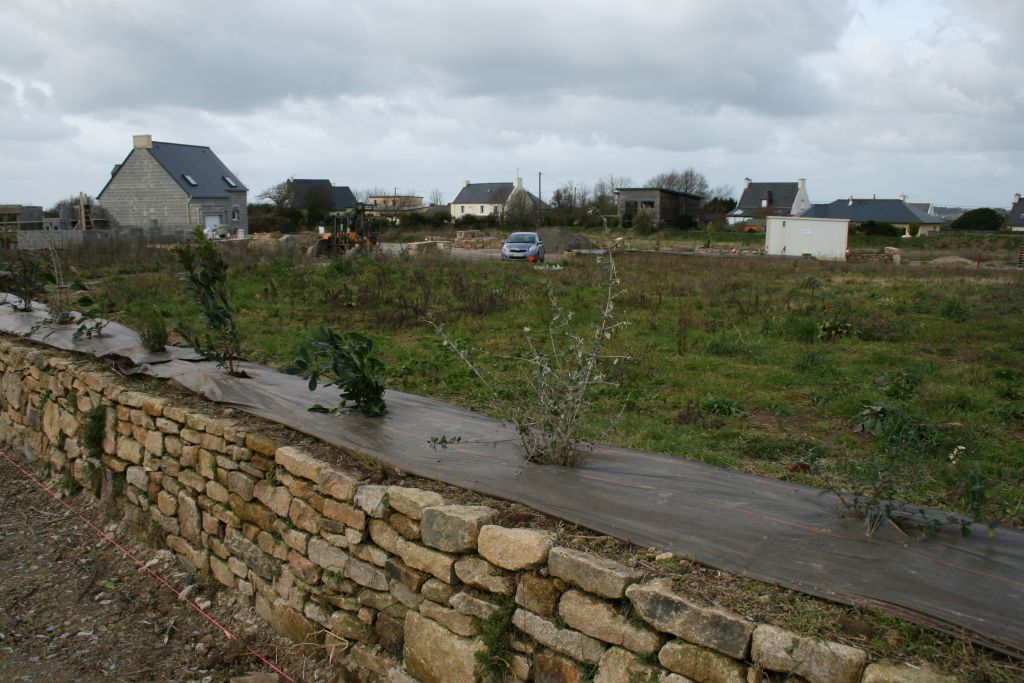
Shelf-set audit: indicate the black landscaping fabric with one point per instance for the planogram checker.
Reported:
(766, 529)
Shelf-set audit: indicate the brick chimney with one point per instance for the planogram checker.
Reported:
(746, 183)
(465, 183)
(1016, 198)
(142, 141)
(517, 183)
(903, 197)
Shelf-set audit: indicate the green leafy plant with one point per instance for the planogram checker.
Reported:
(834, 328)
(25, 278)
(93, 430)
(344, 360)
(152, 329)
(720, 405)
(496, 634)
(91, 311)
(206, 274)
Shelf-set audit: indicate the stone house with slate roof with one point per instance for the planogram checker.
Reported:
(1015, 219)
(488, 199)
(760, 200)
(894, 211)
(302, 190)
(173, 188)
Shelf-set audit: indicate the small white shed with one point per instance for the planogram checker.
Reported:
(824, 238)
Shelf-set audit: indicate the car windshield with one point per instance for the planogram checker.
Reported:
(522, 238)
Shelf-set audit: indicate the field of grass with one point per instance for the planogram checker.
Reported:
(896, 382)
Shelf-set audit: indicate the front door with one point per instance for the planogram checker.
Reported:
(211, 224)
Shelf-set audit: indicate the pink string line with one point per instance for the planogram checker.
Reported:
(142, 565)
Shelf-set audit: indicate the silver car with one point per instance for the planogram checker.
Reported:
(527, 246)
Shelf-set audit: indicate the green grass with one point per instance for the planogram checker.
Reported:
(728, 363)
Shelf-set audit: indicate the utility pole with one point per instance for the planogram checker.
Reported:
(540, 201)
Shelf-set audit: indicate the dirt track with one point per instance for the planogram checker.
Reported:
(73, 608)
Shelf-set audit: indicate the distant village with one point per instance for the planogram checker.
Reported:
(160, 191)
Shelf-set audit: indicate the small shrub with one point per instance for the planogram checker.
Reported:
(902, 386)
(983, 219)
(152, 330)
(346, 361)
(206, 274)
(643, 224)
(834, 328)
(93, 430)
(720, 405)
(899, 427)
(25, 279)
(953, 309)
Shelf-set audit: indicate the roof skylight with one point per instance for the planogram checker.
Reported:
(190, 180)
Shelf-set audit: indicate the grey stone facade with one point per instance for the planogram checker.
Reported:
(142, 193)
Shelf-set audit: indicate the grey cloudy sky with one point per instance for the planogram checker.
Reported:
(861, 97)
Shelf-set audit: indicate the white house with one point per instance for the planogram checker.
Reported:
(760, 200)
(823, 238)
(486, 199)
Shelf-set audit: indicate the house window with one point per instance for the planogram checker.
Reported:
(234, 213)
(647, 204)
(190, 180)
(481, 208)
(230, 182)
(462, 208)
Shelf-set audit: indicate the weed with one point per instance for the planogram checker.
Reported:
(71, 402)
(720, 405)
(207, 277)
(69, 485)
(564, 368)
(496, 634)
(346, 361)
(152, 329)
(93, 430)
(953, 309)
(834, 328)
(25, 278)
(899, 427)
(902, 386)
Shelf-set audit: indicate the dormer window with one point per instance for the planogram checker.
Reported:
(230, 182)
(190, 180)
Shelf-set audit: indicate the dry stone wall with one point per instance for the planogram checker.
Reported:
(396, 583)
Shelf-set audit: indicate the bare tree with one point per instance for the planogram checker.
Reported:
(375, 191)
(690, 181)
(279, 195)
(437, 197)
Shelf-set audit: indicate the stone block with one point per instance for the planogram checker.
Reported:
(242, 484)
(412, 502)
(366, 574)
(258, 561)
(277, 498)
(814, 660)
(344, 513)
(514, 549)
(303, 516)
(454, 528)
(189, 518)
(481, 574)
(453, 620)
(137, 477)
(436, 563)
(206, 464)
(621, 666)
(467, 604)
(326, 555)
(598, 619)
(701, 664)
(406, 526)
(538, 595)
(391, 634)
(571, 643)
(672, 613)
(884, 672)
(433, 654)
(217, 492)
(336, 484)
(372, 499)
(438, 591)
(549, 667)
(371, 554)
(261, 444)
(299, 463)
(593, 574)
(303, 568)
(253, 512)
(129, 450)
(286, 621)
(383, 535)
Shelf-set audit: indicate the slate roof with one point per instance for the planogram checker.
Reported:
(660, 189)
(1015, 218)
(342, 196)
(781, 196)
(197, 162)
(489, 193)
(878, 210)
(200, 164)
(484, 193)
